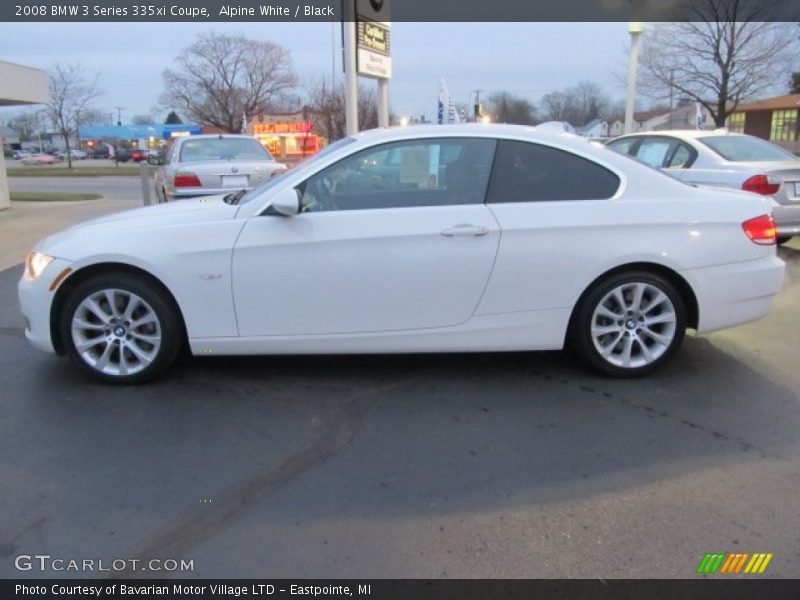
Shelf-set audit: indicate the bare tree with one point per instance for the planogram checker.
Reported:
(93, 116)
(71, 91)
(505, 107)
(578, 105)
(327, 110)
(728, 52)
(25, 124)
(221, 78)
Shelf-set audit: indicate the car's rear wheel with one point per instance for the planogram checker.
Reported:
(120, 328)
(629, 324)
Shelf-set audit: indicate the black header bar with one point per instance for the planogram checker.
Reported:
(287, 11)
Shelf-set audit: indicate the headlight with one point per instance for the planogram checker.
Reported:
(35, 264)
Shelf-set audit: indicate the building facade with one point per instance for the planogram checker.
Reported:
(773, 119)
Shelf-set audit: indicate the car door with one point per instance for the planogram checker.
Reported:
(559, 224)
(394, 237)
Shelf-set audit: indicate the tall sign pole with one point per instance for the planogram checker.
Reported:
(350, 77)
(373, 52)
(383, 102)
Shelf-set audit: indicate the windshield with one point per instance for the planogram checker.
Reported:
(222, 148)
(305, 164)
(741, 148)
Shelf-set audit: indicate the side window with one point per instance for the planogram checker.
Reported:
(622, 146)
(528, 172)
(428, 172)
(654, 151)
(682, 158)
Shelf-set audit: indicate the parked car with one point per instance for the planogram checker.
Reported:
(20, 154)
(723, 159)
(492, 238)
(139, 154)
(76, 154)
(40, 159)
(122, 154)
(202, 165)
(100, 151)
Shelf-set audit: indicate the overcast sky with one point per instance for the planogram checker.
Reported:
(529, 59)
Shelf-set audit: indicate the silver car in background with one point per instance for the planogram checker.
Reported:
(723, 159)
(205, 165)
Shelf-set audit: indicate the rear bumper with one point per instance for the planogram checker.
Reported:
(787, 219)
(733, 294)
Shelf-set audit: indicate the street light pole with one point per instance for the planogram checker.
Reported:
(635, 28)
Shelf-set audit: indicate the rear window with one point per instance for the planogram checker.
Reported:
(740, 148)
(194, 150)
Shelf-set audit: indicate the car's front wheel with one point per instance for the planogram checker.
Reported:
(629, 324)
(120, 328)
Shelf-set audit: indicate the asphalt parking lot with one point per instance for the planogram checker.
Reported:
(487, 465)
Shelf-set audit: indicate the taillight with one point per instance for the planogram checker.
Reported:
(762, 184)
(761, 230)
(186, 180)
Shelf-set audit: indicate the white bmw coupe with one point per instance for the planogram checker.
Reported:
(432, 239)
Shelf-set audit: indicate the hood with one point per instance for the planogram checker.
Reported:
(158, 216)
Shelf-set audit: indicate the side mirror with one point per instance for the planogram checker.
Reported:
(286, 203)
(155, 160)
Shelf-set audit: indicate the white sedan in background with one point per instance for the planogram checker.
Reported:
(723, 159)
(205, 165)
(429, 239)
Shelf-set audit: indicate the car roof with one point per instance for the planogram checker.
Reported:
(496, 130)
(209, 136)
(684, 133)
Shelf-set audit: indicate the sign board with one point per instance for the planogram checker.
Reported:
(373, 33)
(277, 128)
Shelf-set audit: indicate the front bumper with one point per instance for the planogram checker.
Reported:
(36, 301)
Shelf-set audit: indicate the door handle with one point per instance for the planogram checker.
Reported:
(465, 230)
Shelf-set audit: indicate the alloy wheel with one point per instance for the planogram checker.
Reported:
(116, 332)
(633, 325)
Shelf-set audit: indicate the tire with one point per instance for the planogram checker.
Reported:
(106, 342)
(655, 324)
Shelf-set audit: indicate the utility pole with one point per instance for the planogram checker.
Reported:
(119, 114)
